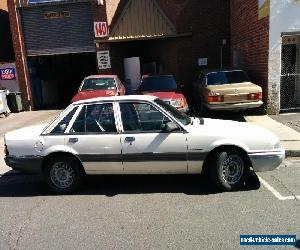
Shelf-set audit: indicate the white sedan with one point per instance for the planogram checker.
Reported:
(139, 135)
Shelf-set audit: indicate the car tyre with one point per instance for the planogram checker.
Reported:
(229, 170)
(63, 174)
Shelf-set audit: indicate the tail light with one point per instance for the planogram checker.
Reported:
(255, 96)
(6, 153)
(215, 98)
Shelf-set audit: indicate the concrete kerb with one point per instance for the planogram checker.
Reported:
(290, 138)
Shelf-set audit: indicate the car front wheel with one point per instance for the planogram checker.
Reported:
(63, 174)
(229, 169)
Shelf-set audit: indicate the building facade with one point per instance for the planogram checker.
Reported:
(6, 48)
(265, 41)
(58, 43)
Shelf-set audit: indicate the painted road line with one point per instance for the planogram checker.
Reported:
(275, 192)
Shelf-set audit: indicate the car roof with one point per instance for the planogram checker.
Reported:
(101, 76)
(117, 98)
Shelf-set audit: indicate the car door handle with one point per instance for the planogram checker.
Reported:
(73, 140)
(129, 139)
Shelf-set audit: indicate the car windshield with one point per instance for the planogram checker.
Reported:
(226, 77)
(183, 118)
(98, 84)
(158, 83)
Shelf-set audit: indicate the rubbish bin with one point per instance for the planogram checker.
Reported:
(14, 102)
(3, 103)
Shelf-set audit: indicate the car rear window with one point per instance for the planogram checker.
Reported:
(226, 77)
(158, 83)
(98, 84)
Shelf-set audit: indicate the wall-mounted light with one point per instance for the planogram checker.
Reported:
(100, 2)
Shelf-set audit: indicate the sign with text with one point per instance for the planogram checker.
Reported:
(103, 58)
(8, 74)
(202, 61)
(55, 15)
(100, 29)
(263, 8)
(43, 1)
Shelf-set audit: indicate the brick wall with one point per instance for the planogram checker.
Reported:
(250, 39)
(3, 5)
(6, 47)
(20, 55)
(207, 21)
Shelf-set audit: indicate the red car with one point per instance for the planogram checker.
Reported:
(165, 88)
(99, 86)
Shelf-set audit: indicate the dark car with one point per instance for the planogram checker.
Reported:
(165, 88)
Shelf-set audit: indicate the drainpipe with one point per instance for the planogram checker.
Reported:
(221, 53)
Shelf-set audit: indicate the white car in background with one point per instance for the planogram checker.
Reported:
(139, 135)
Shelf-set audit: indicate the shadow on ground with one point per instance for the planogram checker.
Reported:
(33, 185)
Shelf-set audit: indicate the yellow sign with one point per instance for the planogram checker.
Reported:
(54, 15)
(263, 8)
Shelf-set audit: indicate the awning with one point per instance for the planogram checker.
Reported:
(141, 20)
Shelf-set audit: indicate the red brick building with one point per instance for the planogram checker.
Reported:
(58, 43)
(6, 48)
(250, 41)
(265, 40)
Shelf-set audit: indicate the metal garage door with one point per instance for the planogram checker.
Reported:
(58, 29)
(290, 73)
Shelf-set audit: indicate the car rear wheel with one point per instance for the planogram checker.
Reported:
(229, 169)
(63, 174)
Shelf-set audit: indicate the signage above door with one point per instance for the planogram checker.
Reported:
(43, 1)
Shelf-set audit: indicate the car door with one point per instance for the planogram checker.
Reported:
(146, 148)
(94, 137)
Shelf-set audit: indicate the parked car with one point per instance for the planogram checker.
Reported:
(99, 86)
(226, 90)
(139, 135)
(165, 88)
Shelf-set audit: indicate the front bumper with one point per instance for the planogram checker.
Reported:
(234, 106)
(27, 164)
(266, 161)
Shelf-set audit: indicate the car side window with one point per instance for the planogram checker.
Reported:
(96, 118)
(142, 117)
(61, 127)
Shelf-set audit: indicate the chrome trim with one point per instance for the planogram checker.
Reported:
(235, 106)
(266, 161)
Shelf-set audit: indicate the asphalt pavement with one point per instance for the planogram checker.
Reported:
(145, 212)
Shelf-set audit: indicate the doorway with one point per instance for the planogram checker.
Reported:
(55, 79)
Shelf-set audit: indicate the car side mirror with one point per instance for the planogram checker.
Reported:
(170, 127)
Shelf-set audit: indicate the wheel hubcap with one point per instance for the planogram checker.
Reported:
(232, 169)
(62, 175)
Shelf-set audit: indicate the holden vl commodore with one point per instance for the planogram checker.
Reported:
(139, 135)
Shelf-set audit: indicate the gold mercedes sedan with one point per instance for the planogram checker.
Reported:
(226, 90)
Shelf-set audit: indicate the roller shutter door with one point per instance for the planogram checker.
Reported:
(58, 29)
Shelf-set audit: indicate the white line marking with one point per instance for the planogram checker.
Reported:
(275, 192)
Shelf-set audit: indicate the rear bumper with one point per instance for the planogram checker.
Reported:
(266, 161)
(25, 164)
(234, 106)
